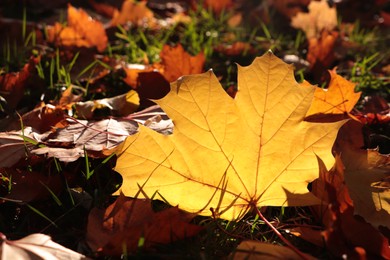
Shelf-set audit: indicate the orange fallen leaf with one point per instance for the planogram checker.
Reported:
(134, 12)
(132, 71)
(82, 31)
(103, 8)
(339, 98)
(177, 62)
(42, 118)
(128, 220)
(218, 5)
(13, 84)
(235, 49)
(320, 53)
(320, 17)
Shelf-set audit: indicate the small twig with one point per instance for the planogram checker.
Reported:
(291, 246)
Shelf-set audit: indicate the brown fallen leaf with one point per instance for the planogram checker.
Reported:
(321, 54)
(82, 135)
(132, 72)
(252, 250)
(235, 49)
(231, 154)
(27, 186)
(13, 84)
(36, 246)
(370, 201)
(121, 105)
(128, 220)
(42, 118)
(344, 234)
(82, 31)
(177, 62)
(320, 17)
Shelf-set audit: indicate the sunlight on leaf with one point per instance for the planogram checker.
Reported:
(231, 155)
(339, 98)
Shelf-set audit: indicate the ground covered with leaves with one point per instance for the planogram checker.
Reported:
(195, 129)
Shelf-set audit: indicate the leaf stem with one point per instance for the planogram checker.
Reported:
(291, 246)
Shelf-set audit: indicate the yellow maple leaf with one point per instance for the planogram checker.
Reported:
(231, 154)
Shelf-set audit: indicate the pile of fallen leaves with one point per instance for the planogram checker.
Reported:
(157, 158)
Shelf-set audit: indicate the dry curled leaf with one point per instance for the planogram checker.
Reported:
(36, 246)
(70, 143)
(231, 154)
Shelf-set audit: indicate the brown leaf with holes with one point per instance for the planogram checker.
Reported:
(177, 62)
(128, 220)
(82, 31)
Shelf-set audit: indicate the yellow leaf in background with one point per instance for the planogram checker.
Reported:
(320, 17)
(231, 154)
